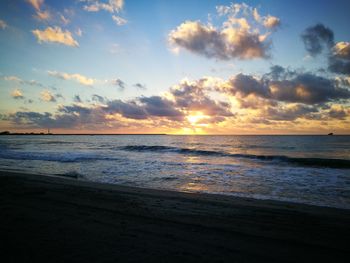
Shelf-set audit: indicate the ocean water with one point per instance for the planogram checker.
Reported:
(305, 169)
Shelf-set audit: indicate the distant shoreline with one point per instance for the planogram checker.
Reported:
(158, 134)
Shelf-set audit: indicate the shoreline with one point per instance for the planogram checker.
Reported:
(157, 191)
(42, 216)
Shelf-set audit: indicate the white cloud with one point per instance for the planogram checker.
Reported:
(46, 95)
(111, 6)
(226, 43)
(17, 94)
(76, 77)
(3, 24)
(271, 21)
(64, 20)
(13, 78)
(119, 21)
(56, 35)
(244, 34)
(79, 32)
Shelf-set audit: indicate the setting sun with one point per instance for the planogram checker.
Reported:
(196, 118)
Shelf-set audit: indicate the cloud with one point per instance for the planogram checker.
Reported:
(98, 98)
(140, 86)
(67, 117)
(76, 77)
(338, 112)
(40, 14)
(13, 78)
(160, 107)
(129, 109)
(240, 36)
(289, 112)
(119, 21)
(43, 15)
(55, 35)
(17, 94)
(79, 32)
(304, 87)
(23, 82)
(194, 97)
(339, 60)
(37, 4)
(119, 83)
(317, 38)
(3, 24)
(46, 96)
(111, 6)
(271, 21)
(64, 20)
(77, 99)
(281, 97)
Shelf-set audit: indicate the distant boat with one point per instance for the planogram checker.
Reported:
(331, 133)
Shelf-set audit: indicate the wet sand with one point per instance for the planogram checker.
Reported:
(65, 220)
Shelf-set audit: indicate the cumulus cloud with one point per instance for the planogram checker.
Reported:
(109, 6)
(3, 24)
(119, 20)
(240, 36)
(339, 60)
(55, 35)
(279, 97)
(271, 21)
(17, 94)
(160, 107)
(76, 77)
(194, 96)
(304, 87)
(47, 96)
(316, 38)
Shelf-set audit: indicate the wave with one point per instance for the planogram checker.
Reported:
(315, 162)
(56, 157)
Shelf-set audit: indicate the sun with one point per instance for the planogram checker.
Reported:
(194, 118)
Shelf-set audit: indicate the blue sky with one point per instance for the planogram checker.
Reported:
(139, 51)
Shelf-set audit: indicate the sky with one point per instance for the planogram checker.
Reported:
(176, 67)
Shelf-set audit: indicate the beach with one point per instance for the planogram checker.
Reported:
(67, 220)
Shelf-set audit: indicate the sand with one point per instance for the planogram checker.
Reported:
(53, 219)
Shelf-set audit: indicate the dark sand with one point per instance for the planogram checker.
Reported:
(65, 220)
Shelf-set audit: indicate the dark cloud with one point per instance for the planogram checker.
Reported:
(246, 85)
(140, 86)
(316, 38)
(98, 98)
(304, 88)
(158, 106)
(127, 109)
(338, 113)
(339, 60)
(290, 113)
(77, 98)
(119, 83)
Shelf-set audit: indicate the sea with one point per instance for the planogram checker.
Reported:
(303, 169)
